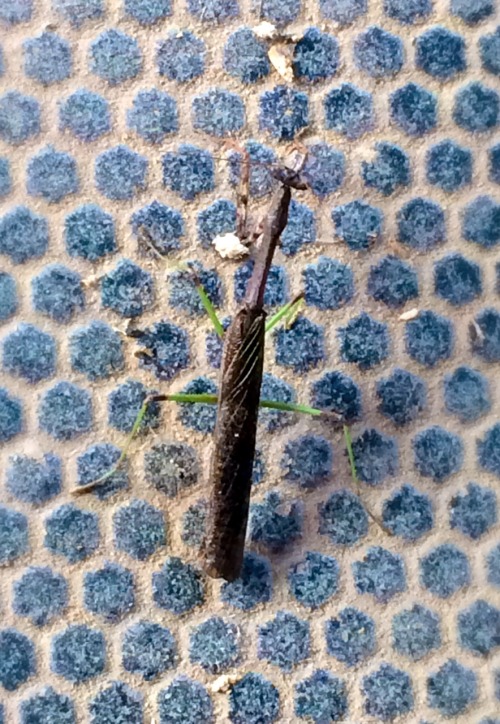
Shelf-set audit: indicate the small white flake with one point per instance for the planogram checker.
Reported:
(224, 683)
(229, 246)
(265, 30)
(282, 62)
(410, 314)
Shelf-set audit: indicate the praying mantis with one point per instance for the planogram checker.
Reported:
(240, 385)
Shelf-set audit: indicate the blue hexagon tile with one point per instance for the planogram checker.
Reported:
(363, 598)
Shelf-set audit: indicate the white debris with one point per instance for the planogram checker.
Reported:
(265, 30)
(224, 683)
(410, 314)
(229, 246)
(282, 62)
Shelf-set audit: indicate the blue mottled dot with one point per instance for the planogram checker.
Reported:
(29, 353)
(171, 467)
(47, 58)
(457, 280)
(343, 12)
(183, 294)
(17, 659)
(307, 461)
(52, 175)
(78, 653)
(350, 638)
(13, 534)
(275, 293)
(127, 289)
(184, 702)
(86, 115)
(476, 108)
(429, 338)
(139, 529)
(214, 645)
(275, 389)
(408, 12)
(213, 10)
(328, 284)
(313, 580)
(300, 228)
(178, 587)
(342, 518)
(421, 224)
(376, 456)
(378, 53)
(117, 704)
(449, 166)
(120, 173)
(380, 574)
(57, 292)
(47, 706)
(166, 349)
(275, 524)
(217, 219)
(438, 453)
(284, 641)
(321, 698)
(474, 512)
(89, 233)
(489, 49)
(181, 57)
(393, 282)
(358, 224)
(19, 117)
(194, 524)
(440, 53)
(189, 171)
(262, 160)
(148, 650)
(488, 450)
(40, 595)
(34, 480)
(467, 394)
(349, 111)
(323, 169)
(337, 393)
(451, 689)
(253, 700)
(72, 533)
(364, 341)
(402, 395)
(481, 222)
(153, 115)
(11, 416)
(115, 57)
(416, 632)
(445, 570)
(158, 226)
(301, 347)
(408, 513)
(109, 592)
(279, 12)
(254, 585)
(315, 56)
(283, 112)
(413, 109)
(77, 12)
(218, 113)
(16, 11)
(148, 12)
(484, 335)
(473, 12)
(99, 460)
(245, 56)
(493, 568)
(389, 171)
(65, 411)
(96, 351)
(479, 628)
(5, 177)
(8, 296)
(388, 693)
(214, 346)
(494, 163)
(124, 404)
(23, 235)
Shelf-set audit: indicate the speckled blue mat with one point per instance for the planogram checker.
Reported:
(113, 118)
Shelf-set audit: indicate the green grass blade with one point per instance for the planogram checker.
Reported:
(288, 311)
(210, 309)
